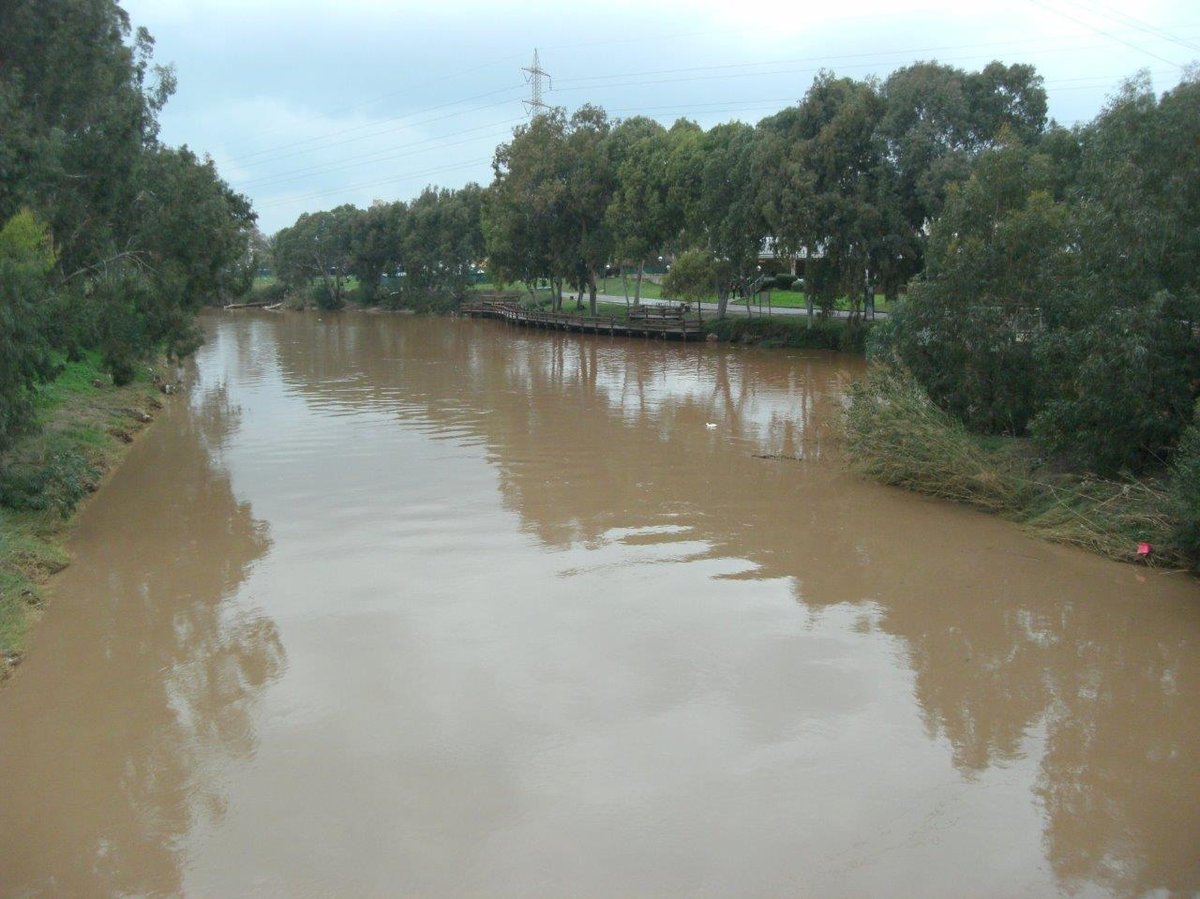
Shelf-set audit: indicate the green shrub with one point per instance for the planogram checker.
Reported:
(58, 483)
(975, 361)
(791, 331)
(1185, 491)
(1121, 389)
(898, 436)
(274, 292)
(784, 280)
(324, 298)
(25, 260)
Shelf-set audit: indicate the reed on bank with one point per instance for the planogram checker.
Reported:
(897, 436)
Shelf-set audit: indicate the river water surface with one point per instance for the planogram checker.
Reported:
(390, 606)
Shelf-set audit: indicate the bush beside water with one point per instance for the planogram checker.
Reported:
(792, 331)
(898, 436)
(83, 425)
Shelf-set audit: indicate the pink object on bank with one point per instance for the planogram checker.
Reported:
(1144, 549)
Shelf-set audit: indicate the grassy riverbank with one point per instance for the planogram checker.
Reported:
(897, 436)
(83, 428)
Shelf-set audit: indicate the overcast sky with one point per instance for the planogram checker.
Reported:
(308, 104)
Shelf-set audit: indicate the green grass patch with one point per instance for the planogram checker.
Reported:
(796, 299)
(651, 290)
(897, 436)
(82, 428)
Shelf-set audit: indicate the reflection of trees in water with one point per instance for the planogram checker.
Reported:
(112, 732)
(1130, 820)
(588, 435)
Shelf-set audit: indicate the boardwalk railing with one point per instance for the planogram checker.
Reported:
(666, 327)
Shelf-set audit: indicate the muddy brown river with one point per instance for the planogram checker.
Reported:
(390, 606)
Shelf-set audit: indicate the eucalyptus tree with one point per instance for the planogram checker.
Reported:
(142, 233)
(590, 183)
(189, 235)
(442, 240)
(375, 239)
(1135, 305)
(26, 259)
(998, 260)
(319, 246)
(639, 217)
(936, 119)
(524, 206)
(714, 190)
(545, 215)
(79, 97)
(463, 241)
(823, 188)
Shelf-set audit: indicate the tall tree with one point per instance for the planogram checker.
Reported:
(80, 98)
(142, 234)
(375, 242)
(715, 188)
(443, 240)
(639, 216)
(319, 246)
(524, 208)
(590, 183)
(936, 119)
(997, 258)
(821, 187)
(26, 259)
(1135, 303)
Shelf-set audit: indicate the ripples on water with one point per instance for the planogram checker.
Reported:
(411, 606)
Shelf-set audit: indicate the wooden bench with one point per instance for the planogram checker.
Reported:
(664, 311)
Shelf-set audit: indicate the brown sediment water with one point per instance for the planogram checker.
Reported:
(393, 606)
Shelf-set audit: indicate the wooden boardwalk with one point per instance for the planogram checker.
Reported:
(663, 326)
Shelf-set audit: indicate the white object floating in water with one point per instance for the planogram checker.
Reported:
(711, 425)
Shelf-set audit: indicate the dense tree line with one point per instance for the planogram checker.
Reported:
(109, 240)
(851, 175)
(1048, 275)
(400, 253)
(1061, 287)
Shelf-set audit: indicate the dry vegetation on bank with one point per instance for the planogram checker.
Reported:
(897, 436)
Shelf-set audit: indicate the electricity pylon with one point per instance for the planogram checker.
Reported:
(534, 75)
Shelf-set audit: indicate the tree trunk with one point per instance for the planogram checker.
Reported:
(625, 285)
(591, 285)
(637, 291)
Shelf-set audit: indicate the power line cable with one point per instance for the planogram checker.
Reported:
(292, 145)
(1102, 33)
(1141, 25)
(441, 79)
(298, 198)
(382, 155)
